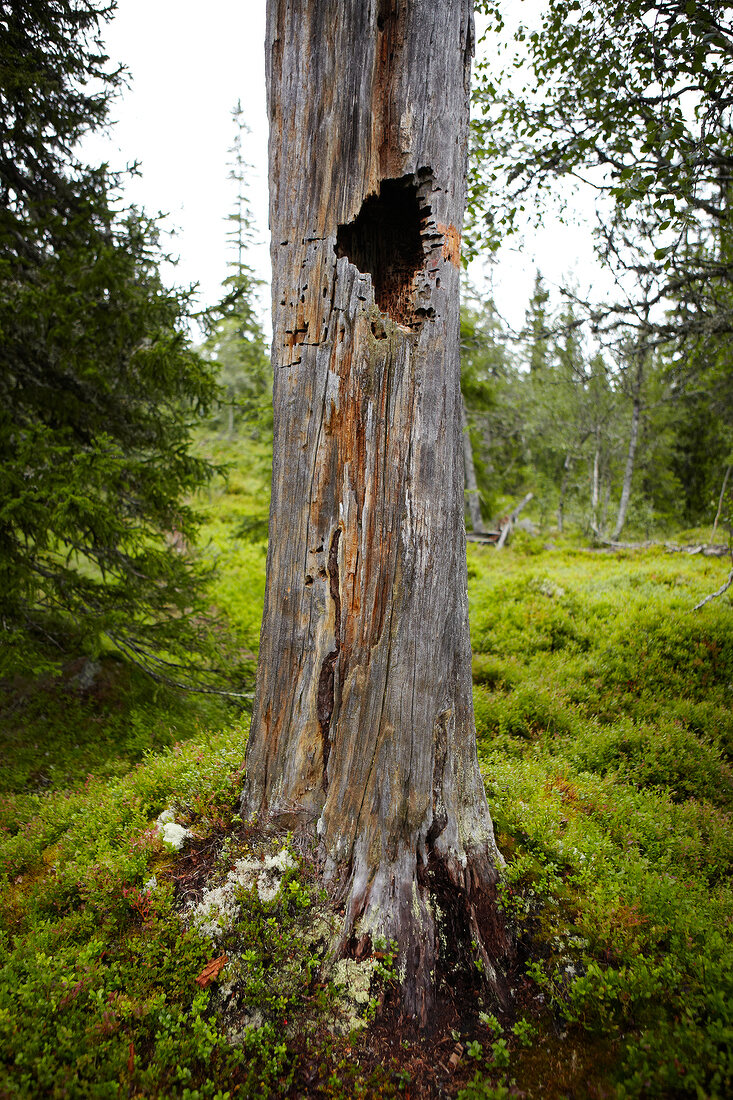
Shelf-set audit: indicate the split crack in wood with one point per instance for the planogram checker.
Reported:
(326, 679)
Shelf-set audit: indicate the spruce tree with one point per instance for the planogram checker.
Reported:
(536, 328)
(99, 387)
(235, 340)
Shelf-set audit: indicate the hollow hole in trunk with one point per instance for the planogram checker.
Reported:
(385, 240)
(386, 9)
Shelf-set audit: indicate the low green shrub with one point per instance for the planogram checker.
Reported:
(606, 769)
(604, 735)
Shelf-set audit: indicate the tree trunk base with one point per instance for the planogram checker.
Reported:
(474, 949)
(451, 941)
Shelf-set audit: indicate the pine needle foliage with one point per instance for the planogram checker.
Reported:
(99, 387)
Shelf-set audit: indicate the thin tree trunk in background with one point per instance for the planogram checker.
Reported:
(363, 723)
(604, 506)
(563, 490)
(720, 505)
(472, 493)
(629, 471)
(633, 440)
(595, 489)
(641, 354)
(512, 519)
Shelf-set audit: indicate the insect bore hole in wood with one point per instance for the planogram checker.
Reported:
(386, 241)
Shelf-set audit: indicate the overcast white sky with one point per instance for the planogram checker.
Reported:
(189, 63)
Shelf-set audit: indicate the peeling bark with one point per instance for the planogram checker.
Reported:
(363, 723)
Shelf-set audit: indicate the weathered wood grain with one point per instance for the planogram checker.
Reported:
(363, 719)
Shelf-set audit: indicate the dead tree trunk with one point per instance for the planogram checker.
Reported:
(563, 491)
(363, 718)
(720, 503)
(595, 489)
(508, 526)
(629, 470)
(472, 493)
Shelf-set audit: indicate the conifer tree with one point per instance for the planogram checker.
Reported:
(536, 326)
(99, 387)
(235, 340)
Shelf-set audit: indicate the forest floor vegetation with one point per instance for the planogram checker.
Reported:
(605, 735)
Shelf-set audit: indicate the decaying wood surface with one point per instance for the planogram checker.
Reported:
(363, 719)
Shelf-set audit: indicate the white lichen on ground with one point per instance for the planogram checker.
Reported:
(172, 834)
(318, 930)
(353, 979)
(219, 909)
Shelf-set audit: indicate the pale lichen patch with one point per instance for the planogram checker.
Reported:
(219, 909)
(354, 979)
(173, 835)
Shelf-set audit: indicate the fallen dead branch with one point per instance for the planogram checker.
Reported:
(714, 595)
(508, 525)
(715, 550)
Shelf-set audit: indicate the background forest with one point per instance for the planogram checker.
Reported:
(134, 496)
(606, 438)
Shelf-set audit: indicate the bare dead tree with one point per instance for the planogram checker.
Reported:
(363, 718)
